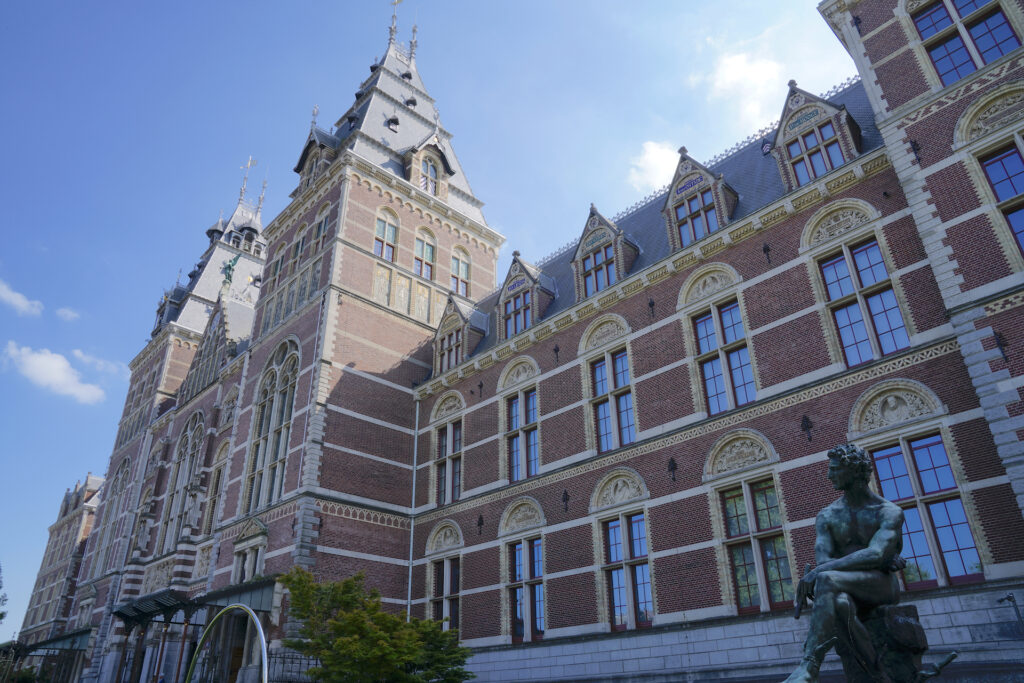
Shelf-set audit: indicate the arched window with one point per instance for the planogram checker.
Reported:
(428, 176)
(115, 493)
(181, 505)
(460, 272)
(424, 255)
(272, 428)
(213, 494)
(386, 236)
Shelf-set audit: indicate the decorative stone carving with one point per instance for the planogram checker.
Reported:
(837, 223)
(593, 222)
(620, 489)
(203, 562)
(796, 100)
(913, 5)
(523, 515)
(893, 408)
(738, 454)
(522, 371)
(605, 332)
(381, 285)
(685, 167)
(252, 528)
(157, 576)
(1005, 109)
(709, 284)
(446, 538)
(448, 406)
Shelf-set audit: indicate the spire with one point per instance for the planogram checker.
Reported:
(263, 192)
(412, 44)
(393, 31)
(316, 112)
(245, 179)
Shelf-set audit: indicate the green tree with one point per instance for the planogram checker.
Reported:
(344, 626)
(3, 598)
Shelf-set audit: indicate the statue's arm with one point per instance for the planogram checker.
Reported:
(824, 546)
(881, 551)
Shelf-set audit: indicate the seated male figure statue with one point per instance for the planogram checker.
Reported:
(857, 550)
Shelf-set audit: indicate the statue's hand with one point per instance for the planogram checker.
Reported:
(898, 563)
(804, 590)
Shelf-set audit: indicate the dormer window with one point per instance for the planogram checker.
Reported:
(598, 270)
(411, 102)
(236, 240)
(450, 350)
(518, 315)
(815, 153)
(407, 75)
(392, 124)
(696, 217)
(428, 177)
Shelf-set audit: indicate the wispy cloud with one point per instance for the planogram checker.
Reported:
(106, 366)
(753, 83)
(18, 301)
(653, 168)
(68, 314)
(51, 371)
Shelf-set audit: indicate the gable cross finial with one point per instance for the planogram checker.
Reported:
(394, 21)
(316, 112)
(245, 179)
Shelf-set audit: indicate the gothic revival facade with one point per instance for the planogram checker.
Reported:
(611, 464)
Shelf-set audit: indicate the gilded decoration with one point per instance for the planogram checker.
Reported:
(620, 487)
(891, 403)
(444, 538)
(738, 450)
(604, 332)
(524, 514)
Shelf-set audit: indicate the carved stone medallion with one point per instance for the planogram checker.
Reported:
(620, 489)
(893, 408)
(685, 167)
(796, 100)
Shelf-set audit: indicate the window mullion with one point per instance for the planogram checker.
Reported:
(869, 322)
(941, 571)
(965, 36)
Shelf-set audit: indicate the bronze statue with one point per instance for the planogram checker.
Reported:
(857, 550)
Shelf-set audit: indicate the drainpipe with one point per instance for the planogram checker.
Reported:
(412, 505)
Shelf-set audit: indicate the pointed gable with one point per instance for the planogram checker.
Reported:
(523, 298)
(603, 256)
(814, 137)
(317, 154)
(461, 329)
(698, 202)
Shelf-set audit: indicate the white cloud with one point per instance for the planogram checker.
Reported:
(653, 168)
(18, 301)
(68, 314)
(52, 371)
(107, 366)
(753, 84)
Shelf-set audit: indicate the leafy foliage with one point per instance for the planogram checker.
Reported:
(3, 598)
(356, 641)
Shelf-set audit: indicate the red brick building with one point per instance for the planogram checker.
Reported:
(609, 466)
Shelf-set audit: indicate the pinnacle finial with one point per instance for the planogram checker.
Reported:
(263, 192)
(245, 179)
(316, 112)
(792, 83)
(393, 31)
(412, 43)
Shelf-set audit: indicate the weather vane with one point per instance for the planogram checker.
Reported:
(394, 20)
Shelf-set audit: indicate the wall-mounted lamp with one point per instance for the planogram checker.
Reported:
(856, 24)
(767, 253)
(479, 525)
(650, 305)
(806, 425)
(1001, 345)
(672, 467)
(556, 350)
(915, 148)
(480, 388)
(565, 500)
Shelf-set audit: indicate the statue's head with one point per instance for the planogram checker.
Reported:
(848, 464)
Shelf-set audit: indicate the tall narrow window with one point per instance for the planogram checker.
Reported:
(423, 257)
(696, 217)
(863, 304)
(428, 176)
(271, 434)
(627, 573)
(723, 358)
(612, 402)
(448, 467)
(518, 314)
(444, 602)
(756, 547)
(460, 272)
(962, 35)
(815, 153)
(526, 589)
(1005, 173)
(450, 350)
(938, 544)
(180, 504)
(385, 237)
(521, 435)
(599, 270)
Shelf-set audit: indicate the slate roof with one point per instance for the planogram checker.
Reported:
(753, 176)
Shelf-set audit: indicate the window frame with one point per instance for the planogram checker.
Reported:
(960, 28)
(429, 175)
(627, 563)
(385, 246)
(861, 295)
(823, 147)
(519, 429)
(517, 309)
(422, 266)
(460, 272)
(445, 594)
(922, 502)
(593, 273)
(450, 349)
(527, 582)
(755, 537)
(684, 224)
(271, 432)
(612, 396)
(449, 447)
(722, 351)
(1013, 204)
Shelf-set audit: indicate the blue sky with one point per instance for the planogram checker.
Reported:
(125, 125)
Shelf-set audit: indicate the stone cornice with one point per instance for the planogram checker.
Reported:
(794, 202)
